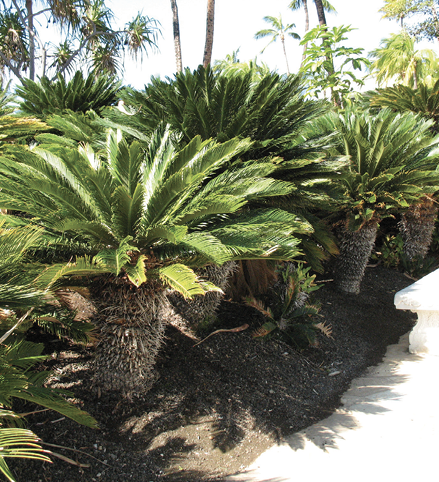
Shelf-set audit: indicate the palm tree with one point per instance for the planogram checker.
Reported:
(398, 60)
(320, 12)
(210, 22)
(176, 31)
(297, 4)
(392, 162)
(86, 26)
(278, 30)
(146, 212)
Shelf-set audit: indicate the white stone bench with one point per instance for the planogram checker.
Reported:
(422, 298)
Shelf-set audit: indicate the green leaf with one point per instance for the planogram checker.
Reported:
(182, 279)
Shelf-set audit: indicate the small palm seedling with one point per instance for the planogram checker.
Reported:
(290, 315)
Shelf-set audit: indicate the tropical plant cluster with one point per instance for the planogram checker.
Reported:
(153, 202)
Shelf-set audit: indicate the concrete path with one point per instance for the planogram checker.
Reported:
(386, 430)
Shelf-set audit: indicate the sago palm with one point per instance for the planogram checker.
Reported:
(272, 111)
(44, 98)
(418, 223)
(146, 212)
(21, 289)
(392, 161)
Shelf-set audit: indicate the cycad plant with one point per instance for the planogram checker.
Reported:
(392, 161)
(23, 288)
(46, 97)
(147, 212)
(417, 224)
(290, 315)
(424, 100)
(270, 110)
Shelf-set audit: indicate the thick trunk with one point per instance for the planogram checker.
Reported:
(30, 24)
(207, 59)
(253, 278)
(131, 323)
(355, 250)
(417, 227)
(176, 29)
(202, 308)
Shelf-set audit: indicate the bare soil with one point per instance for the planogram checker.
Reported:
(216, 406)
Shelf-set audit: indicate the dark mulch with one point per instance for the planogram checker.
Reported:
(218, 405)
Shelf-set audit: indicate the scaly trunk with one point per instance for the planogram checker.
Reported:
(176, 29)
(417, 227)
(202, 308)
(207, 59)
(355, 250)
(131, 323)
(305, 7)
(253, 278)
(30, 24)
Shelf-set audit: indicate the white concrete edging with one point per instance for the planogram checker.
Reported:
(422, 298)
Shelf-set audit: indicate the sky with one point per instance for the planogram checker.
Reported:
(236, 22)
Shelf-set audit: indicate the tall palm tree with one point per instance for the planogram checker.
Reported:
(392, 162)
(278, 30)
(320, 12)
(147, 212)
(298, 4)
(396, 9)
(210, 22)
(176, 31)
(398, 60)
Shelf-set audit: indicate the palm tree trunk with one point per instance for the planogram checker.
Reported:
(355, 250)
(322, 21)
(305, 7)
(131, 323)
(320, 12)
(207, 59)
(176, 29)
(30, 24)
(282, 38)
(417, 227)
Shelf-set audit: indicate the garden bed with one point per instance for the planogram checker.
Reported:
(216, 406)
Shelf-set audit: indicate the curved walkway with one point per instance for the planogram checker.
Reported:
(387, 429)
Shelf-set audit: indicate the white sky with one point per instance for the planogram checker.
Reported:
(236, 22)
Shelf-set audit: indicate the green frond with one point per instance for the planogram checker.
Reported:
(114, 259)
(137, 273)
(19, 443)
(182, 279)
